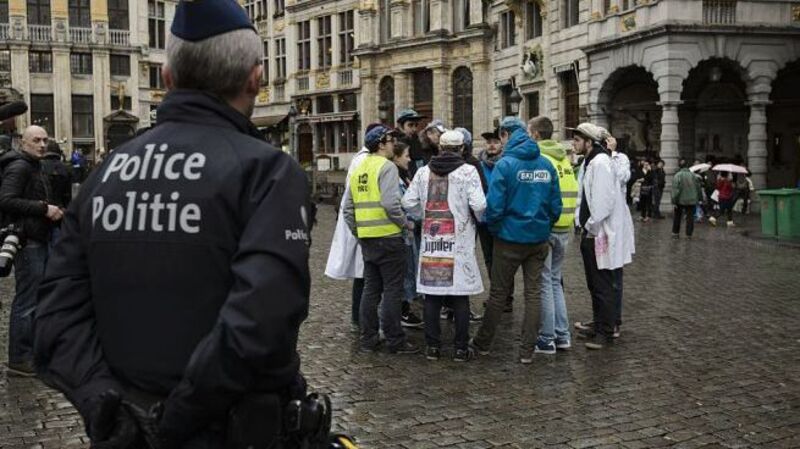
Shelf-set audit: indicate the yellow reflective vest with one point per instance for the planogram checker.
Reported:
(372, 221)
(569, 193)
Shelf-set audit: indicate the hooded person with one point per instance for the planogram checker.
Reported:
(523, 204)
(344, 258)
(447, 194)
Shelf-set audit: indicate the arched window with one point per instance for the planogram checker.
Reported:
(386, 100)
(462, 98)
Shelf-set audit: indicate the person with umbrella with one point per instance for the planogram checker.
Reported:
(726, 193)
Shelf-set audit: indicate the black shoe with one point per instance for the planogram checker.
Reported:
(447, 314)
(411, 320)
(24, 369)
(475, 317)
(586, 335)
(369, 349)
(509, 305)
(464, 355)
(405, 348)
(599, 342)
(432, 353)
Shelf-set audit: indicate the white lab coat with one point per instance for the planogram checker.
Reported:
(344, 259)
(464, 198)
(610, 220)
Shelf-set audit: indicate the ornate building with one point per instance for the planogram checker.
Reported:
(76, 61)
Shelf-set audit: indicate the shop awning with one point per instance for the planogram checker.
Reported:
(269, 121)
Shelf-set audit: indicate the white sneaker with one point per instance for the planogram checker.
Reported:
(731, 224)
(712, 220)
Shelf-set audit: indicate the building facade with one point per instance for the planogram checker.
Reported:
(74, 62)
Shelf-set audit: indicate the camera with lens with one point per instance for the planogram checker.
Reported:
(9, 249)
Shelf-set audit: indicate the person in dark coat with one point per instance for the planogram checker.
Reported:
(407, 126)
(25, 203)
(58, 174)
(181, 277)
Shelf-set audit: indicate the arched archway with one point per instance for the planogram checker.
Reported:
(462, 98)
(714, 114)
(629, 98)
(386, 100)
(783, 129)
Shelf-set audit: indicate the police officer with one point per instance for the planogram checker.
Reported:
(182, 278)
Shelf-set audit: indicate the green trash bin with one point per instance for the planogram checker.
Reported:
(787, 206)
(769, 212)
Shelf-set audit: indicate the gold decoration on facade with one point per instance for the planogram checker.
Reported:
(323, 80)
(16, 7)
(596, 15)
(263, 94)
(58, 9)
(796, 13)
(642, 2)
(628, 22)
(156, 95)
(614, 9)
(280, 25)
(367, 5)
(99, 10)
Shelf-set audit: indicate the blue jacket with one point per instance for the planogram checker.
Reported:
(524, 200)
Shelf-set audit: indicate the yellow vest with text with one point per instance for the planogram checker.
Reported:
(569, 193)
(371, 218)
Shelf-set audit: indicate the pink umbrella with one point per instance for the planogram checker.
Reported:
(730, 168)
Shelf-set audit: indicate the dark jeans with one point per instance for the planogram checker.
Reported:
(605, 289)
(358, 290)
(487, 246)
(384, 272)
(28, 273)
(658, 192)
(618, 298)
(508, 257)
(726, 208)
(745, 197)
(680, 212)
(646, 205)
(433, 331)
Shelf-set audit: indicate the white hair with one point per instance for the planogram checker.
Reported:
(218, 65)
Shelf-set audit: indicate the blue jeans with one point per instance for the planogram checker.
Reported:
(28, 273)
(553, 320)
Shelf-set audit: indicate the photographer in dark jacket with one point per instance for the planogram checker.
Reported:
(25, 201)
(171, 306)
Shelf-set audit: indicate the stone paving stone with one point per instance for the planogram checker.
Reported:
(686, 372)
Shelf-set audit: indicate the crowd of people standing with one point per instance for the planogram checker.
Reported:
(418, 199)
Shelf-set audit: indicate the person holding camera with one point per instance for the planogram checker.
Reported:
(171, 306)
(25, 203)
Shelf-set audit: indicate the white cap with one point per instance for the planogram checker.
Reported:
(451, 139)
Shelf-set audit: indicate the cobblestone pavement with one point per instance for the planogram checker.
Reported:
(709, 356)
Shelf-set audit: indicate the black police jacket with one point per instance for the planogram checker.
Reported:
(24, 195)
(182, 269)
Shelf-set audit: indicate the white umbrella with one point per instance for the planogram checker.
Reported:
(700, 168)
(730, 168)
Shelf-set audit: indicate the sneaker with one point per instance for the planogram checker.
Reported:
(676, 236)
(586, 335)
(712, 221)
(731, 224)
(24, 369)
(354, 328)
(464, 355)
(404, 348)
(369, 349)
(432, 353)
(411, 320)
(526, 356)
(563, 344)
(479, 349)
(584, 325)
(616, 333)
(475, 317)
(545, 347)
(598, 342)
(446, 314)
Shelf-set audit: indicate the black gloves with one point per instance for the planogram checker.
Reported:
(110, 425)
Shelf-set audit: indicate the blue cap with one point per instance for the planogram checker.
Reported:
(512, 124)
(376, 135)
(196, 20)
(408, 114)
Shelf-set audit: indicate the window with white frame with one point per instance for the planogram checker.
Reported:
(304, 45)
(256, 9)
(324, 42)
(508, 31)
(570, 13)
(265, 65)
(156, 23)
(533, 19)
(346, 37)
(280, 59)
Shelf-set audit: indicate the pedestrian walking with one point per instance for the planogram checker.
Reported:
(553, 319)
(488, 158)
(447, 194)
(725, 196)
(524, 203)
(407, 316)
(26, 202)
(345, 260)
(744, 187)
(686, 194)
(661, 184)
(204, 352)
(373, 212)
(606, 241)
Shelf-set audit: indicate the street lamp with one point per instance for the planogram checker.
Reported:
(292, 116)
(514, 99)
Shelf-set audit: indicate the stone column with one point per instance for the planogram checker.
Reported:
(336, 25)
(757, 141)
(670, 138)
(400, 11)
(442, 94)
(20, 80)
(62, 94)
(481, 98)
(369, 99)
(438, 15)
(102, 94)
(475, 12)
(402, 92)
